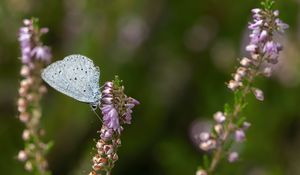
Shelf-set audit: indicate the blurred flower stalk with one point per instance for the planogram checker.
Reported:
(230, 126)
(34, 57)
(116, 109)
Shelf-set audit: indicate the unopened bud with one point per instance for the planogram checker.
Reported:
(245, 62)
(251, 48)
(267, 71)
(25, 71)
(43, 89)
(218, 128)
(233, 157)
(22, 156)
(22, 91)
(233, 85)
(219, 117)
(21, 109)
(239, 135)
(259, 94)
(242, 71)
(208, 145)
(237, 77)
(26, 134)
(24, 117)
(28, 166)
(108, 149)
(201, 172)
(246, 125)
(22, 102)
(93, 173)
(204, 136)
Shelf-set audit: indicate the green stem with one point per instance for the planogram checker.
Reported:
(237, 108)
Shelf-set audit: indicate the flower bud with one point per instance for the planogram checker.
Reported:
(25, 71)
(201, 172)
(43, 89)
(26, 134)
(239, 135)
(237, 77)
(246, 125)
(22, 156)
(233, 85)
(267, 71)
(245, 62)
(259, 94)
(218, 128)
(208, 145)
(24, 117)
(28, 166)
(219, 117)
(242, 71)
(93, 173)
(22, 91)
(233, 157)
(251, 48)
(204, 136)
(22, 102)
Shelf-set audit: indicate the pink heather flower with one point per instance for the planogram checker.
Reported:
(201, 172)
(263, 35)
(259, 94)
(219, 117)
(131, 102)
(109, 112)
(246, 125)
(256, 24)
(31, 48)
(208, 145)
(256, 10)
(22, 156)
(111, 118)
(251, 48)
(106, 133)
(276, 13)
(116, 107)
(260, 35)
(42, 53)
(239, 135)
(233, 157)
(281, 26)
(204, 136)
(272, 50)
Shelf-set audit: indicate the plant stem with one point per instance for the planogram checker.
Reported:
(237, 108)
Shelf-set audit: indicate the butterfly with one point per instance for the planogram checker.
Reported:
(75, 76)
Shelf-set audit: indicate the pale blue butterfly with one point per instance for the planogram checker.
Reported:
(75, 76)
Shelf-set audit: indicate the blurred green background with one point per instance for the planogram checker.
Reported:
(174, 57)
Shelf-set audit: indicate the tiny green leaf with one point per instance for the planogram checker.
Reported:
(49, 146)
(240, 121)
(206, 162)
(117, 81)
(227, 108)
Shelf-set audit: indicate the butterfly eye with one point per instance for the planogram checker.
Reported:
(94, 107)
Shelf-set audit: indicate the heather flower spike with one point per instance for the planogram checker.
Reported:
(230, 127)
(116, 109)
(34, 56)
(32, 49)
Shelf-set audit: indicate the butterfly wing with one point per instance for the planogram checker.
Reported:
(75, 76)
